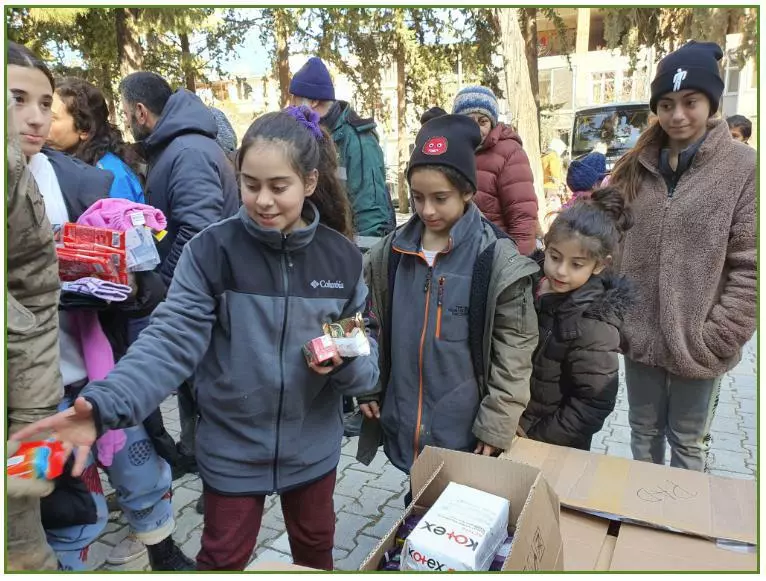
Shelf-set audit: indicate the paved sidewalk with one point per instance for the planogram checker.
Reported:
(369, 499)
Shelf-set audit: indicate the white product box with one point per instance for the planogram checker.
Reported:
(462, 531)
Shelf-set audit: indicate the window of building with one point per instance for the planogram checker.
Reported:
(602, 88)
(731, 75)
(556, 87)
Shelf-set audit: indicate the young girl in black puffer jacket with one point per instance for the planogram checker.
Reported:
(580, 307)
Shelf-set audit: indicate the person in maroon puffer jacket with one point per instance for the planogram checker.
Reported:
(506, 193)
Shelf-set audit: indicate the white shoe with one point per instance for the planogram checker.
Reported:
(129, 549)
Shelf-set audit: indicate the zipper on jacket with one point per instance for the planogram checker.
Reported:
(427, 284)
(543, 345)
(439, 304)
(287, 264)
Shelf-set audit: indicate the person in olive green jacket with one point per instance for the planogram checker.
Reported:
(458, 328)
(34, 386)
(360, 158)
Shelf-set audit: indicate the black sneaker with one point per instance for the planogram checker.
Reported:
(352, 424)
(167, 556)
(200, 506)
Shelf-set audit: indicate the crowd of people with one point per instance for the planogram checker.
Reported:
(483, 327)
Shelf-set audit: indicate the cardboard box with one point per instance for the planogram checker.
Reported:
(280, 567)
(534, 512)
(635, 516)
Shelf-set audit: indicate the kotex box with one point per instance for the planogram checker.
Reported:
(462, 531)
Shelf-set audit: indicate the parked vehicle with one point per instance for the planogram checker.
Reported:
(611, 129)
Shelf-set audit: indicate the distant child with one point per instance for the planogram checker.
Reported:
(454, 300)
(741, 127)
(585, 175)
(579, 307)
(243, 302)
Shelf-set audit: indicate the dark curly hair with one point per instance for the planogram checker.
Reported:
(600, 222)
(87, 106)
(306, 153)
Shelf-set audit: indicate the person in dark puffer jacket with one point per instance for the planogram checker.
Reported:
(580, 306)
(506, 191)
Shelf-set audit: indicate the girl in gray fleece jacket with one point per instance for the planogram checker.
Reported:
(247, 294)
(691, 253)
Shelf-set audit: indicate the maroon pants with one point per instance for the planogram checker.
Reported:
(232, 523)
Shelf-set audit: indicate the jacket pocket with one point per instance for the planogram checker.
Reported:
(36, 204)
(451, 309)
(20, 319)
(453, 416)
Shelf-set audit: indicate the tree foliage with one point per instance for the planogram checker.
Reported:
(665, 29)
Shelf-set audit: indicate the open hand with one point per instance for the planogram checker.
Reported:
(73, 426)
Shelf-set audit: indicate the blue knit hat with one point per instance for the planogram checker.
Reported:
(585, 172)
(476, 100)
(313, 81)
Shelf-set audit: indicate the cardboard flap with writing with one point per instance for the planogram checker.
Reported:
(642, 549)
(536, 545)
(480, 472)
(671, 498)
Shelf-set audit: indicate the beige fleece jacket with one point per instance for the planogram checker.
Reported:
(693, 259)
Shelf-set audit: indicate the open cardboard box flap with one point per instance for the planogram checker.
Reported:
(534, 506)
(589, 546)
(669, 498)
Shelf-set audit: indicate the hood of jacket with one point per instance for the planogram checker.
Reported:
(605, 297)
(184, 113)
(500, 132)
(342, 112)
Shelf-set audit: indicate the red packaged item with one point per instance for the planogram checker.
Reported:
(85, 251)
(90, 236)
(320, 350)
(42, 460)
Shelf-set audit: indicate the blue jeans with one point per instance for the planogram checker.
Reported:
(142, 481)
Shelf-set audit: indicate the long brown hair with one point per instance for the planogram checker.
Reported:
(307, 152)
(628, 173)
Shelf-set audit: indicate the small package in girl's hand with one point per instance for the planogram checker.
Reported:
(349, 336)
(42, 460)
(320, 351)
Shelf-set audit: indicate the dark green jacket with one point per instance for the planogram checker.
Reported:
(361, 167)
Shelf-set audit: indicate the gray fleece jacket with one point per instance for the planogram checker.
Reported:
(242, 303)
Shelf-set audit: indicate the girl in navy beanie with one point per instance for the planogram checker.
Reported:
(691, 252)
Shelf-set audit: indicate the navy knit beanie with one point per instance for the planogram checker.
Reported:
(693, 66)
(476, 100)
(313, 81)
(585, 172)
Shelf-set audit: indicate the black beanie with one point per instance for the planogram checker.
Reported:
(693, 66)
(451, 141)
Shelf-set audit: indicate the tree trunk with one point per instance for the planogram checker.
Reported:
(186, 63)
(129, 53)
(283, 55)
(401, 130)
(106, 87)
(518, 85)
(529, 32)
